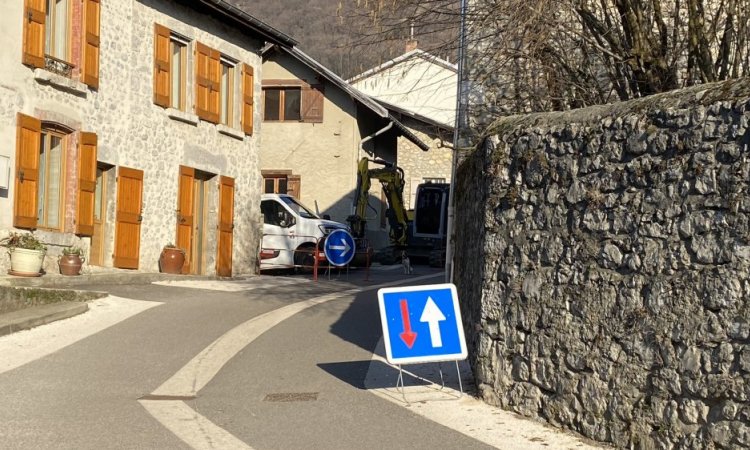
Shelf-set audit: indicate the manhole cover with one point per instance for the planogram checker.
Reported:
(292, 397)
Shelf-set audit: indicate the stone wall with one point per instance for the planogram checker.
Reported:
(605, 288)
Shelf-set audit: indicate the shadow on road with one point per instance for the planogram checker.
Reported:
(355, 373)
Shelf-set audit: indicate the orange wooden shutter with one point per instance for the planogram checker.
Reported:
(248, 91)
(34, 17)
(293, 183)
(90, 57)
(226, 227)
(162, 77)
(128, 220)
(86, 184)
(28, 140)
(214, 74)
(312, 104)
(207, 79)
(185, 203)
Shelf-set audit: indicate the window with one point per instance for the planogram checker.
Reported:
(57, 34)
(177, 64)
(275, 214)
(51, 28)
(42, 178)
(227, 92)
(282, 104)
(49, 193)
(281, 182)
(275, 184)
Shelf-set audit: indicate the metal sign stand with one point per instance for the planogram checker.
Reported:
(401, 386)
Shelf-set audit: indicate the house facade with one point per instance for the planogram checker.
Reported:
(132, 124)
(420, 90)
(316, 127)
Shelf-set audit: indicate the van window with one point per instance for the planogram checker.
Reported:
(274, 213)
(299, 208)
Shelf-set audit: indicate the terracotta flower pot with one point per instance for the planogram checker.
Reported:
(70, 264)
(171, 260)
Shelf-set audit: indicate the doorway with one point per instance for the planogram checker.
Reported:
(98, 237)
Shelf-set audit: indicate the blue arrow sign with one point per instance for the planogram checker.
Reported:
(339, 247)
(422, 324)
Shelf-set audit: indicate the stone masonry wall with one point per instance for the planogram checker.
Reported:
(605, 288)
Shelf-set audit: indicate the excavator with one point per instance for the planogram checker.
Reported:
(423, 237)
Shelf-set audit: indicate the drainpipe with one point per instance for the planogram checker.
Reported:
(373, 136)
(460, 124)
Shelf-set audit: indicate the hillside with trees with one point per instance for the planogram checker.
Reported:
(348, 38)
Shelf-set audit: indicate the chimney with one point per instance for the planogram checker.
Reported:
(411, 44)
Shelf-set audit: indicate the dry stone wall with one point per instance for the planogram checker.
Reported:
(603, 263)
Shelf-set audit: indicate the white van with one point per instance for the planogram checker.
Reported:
(291, 232)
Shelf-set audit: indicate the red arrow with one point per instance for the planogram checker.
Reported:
(407, 336)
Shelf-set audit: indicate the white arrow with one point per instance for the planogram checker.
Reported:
(344, 247)
(432, 315)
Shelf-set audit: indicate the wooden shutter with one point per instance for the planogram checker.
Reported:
(162, 77)
(293, 183)
(312, 104)
(248, 91)
(128, 220)
(226, 227)
(90, 47)
(185, 206)
(207, 83)
(28, 140)
(86, 184)
(34, 18)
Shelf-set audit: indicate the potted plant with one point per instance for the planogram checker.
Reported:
(71, 261)
(26, 254)
(172, 259)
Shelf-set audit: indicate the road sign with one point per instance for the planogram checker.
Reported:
(339, 247)
(421, 324)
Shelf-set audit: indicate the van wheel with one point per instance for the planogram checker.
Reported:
(304, 258)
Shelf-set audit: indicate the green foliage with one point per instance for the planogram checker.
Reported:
(23, 240)
(78, 251)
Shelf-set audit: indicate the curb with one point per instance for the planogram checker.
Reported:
(39, 315)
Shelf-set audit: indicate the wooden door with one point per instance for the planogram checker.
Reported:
(185, 207)
(128, 220)
(226, 227)
(96, 254)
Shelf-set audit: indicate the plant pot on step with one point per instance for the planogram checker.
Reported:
(26, 262)
(70, 264)
(171, 260)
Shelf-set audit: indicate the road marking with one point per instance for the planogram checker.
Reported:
(465, 414)
(199, 371)
(26, 346)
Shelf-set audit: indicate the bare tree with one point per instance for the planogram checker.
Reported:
(538, 55)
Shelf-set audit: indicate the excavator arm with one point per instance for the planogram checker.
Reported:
(391, 178)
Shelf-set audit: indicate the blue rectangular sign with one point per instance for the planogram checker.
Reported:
(421, 324)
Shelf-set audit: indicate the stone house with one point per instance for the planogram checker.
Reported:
(131, 124)
(419, 89)
(316, 127)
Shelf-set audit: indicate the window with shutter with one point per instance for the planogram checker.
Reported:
(90, 55)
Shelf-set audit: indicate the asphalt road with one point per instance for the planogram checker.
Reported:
(265, 363)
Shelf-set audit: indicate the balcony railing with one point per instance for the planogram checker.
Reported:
(58, 66)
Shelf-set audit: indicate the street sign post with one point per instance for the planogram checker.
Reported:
(339, 247)
(422, 324)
